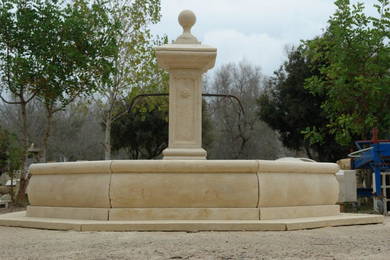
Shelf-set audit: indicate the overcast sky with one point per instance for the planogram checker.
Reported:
(255, 30)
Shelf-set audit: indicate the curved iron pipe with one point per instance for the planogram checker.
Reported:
(136, 98)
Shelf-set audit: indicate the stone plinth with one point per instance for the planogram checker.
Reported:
(184, 195)
(186, 60)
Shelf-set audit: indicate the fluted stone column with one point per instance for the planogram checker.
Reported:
(186, 59)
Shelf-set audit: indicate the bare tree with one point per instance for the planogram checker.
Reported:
(238, 135)
(76, 130)
(77, 133)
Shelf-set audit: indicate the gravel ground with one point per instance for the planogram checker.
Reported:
(349, 242)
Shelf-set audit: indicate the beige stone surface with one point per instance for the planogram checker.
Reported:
(186, 56)
(185, 184)
(191, 225)
(339, 220)
(184, 153)
(347, 186)
(297, 189)
(67, 213)
(280, 166)
(20, 220)
(95, 167)
(190, 190)
(345, 164)
(70, 190)
(184, 214)
(293, 183)
(187, 19)
(267, 213)
(184, 166)
(185, 60)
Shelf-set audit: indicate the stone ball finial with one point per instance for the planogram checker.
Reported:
(187, 19)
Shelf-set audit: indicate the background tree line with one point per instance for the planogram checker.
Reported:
(69, 71)
(334, 89)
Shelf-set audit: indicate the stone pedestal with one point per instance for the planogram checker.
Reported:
(186, 60)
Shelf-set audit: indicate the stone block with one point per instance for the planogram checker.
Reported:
(283, 189)
(267, 213)
(68, 213)
(347, 184)
(70, 190)
(184, 214)
(178, 190)
(331, 221)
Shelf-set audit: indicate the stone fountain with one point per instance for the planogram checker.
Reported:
(184, 191)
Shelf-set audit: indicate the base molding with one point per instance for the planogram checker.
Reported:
(68, 213)
(140, 214)
(184, 214)
(19, 219)
(299, 212)
(184, 154)
(135, 214)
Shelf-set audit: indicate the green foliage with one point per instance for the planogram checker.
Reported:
(50, 49)
(17, 41)
(134, 67)
(354, 72)
(294, 112)
(10, 152)
(143, 133)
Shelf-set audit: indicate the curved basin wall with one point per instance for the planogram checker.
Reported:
(297, 184)
(183, 189)
(73, 184)
(190, 184)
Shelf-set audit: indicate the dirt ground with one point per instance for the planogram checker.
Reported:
(349, 242)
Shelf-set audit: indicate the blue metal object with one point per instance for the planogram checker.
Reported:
(373, 154)
(364, 192)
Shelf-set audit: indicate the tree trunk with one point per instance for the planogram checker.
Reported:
(107, 136)
(12, 188)
(307, 150)
(21, 196)
(11, 174)
(47, 134)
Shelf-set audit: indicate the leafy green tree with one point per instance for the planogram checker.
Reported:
(134, 69)
(76, 47)
(289, 108)
(142, 133)
(47, 50)
(17, 64)
(355, 77)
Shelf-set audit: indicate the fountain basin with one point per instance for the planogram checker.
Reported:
(183, 190)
